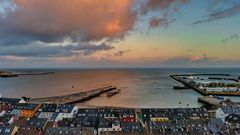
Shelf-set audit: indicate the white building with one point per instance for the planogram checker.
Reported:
(109, 125)
(66, 111)
(223, 112)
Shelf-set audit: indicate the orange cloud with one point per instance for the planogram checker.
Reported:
(51, 20)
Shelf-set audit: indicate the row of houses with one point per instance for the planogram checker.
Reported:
(18, 117)
(168, 114)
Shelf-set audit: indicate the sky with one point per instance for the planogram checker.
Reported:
(119, 33)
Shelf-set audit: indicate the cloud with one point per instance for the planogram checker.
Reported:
(153, 5)
(121, 53)
(6, 7)
(81, 20)
(192, 60)
(12, 58)
(164, 9)
(29, 31)
(221, 14)
(44, 50)
(160, 22)
(232, 37)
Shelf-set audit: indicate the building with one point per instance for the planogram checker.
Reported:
(88, 112)
(8, 119)
(20, 123)
(6, 103)
(69, 131)
(8, 130)
(29, 132)
(224, 111)
(26, 110)
(167, 114)
(66, 111)
(47, 111)
(88, 122)
(132, 128)
(233, 119)
(117, 113)
(37, 124)
(180, 127)
(109, 125)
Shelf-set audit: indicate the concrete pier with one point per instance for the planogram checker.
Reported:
(75, 97)
(209, 100)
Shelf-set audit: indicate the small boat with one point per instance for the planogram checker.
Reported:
(219, 97)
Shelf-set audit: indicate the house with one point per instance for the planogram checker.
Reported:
(26, 110)
(67, 122)
(29, 132)
(87, 122)
(9, 130)
(8, 119)
(233, 119)
(36, 123)
(224, 111)
(47, 111)
(128, 119)
(66, 111)
(117, 113)
(132, 127)
(69, 131)
(12, 118)
(109, 125)
(1, 129)
(216, 126)
(88, 112)
(6, 103)
(20, 123)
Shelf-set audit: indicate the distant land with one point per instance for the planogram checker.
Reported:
(6, 74)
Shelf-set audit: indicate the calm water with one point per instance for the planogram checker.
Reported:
(140, 87)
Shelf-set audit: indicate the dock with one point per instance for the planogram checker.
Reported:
(75, 97)
(177, 78)
(209, 100)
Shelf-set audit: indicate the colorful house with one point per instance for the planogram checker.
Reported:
(25, 110)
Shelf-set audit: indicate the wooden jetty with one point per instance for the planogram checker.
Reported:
(75, 97)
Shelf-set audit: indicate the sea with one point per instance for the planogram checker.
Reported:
(140, 87)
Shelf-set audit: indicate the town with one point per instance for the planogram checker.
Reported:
(19, 117)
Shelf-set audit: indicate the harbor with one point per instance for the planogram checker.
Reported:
(209, 85)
